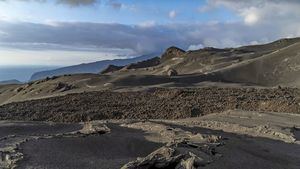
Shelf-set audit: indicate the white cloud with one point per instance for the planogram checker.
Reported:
(33, 57)
(195, 47)
(259, 12)
(3, 33)
(145, 38)
(250, 16)
(205, 8)
(147, 24)
(172, 14)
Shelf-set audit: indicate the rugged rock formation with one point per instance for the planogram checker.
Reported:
(183, 149)
(179, 155)
(62, 87)
(111, 69)
(172, 52)
(144, 64)
(172, 72)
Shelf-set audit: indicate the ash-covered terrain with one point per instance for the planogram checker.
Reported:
(210, 108)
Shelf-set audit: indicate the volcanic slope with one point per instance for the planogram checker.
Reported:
(272, 64)
(267, 65)
(279, 67)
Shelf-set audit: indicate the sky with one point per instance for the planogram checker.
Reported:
(68, 32)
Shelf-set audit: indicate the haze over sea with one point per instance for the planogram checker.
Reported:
(21, 73)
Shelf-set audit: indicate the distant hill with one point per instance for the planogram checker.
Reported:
(14, 81)
(94, 67)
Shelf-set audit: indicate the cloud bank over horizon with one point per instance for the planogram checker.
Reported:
(255, 21)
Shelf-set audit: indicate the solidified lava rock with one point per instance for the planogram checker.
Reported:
(172, 52)
(111, 69)
(172, 72)
(158, 104)
(62, 87)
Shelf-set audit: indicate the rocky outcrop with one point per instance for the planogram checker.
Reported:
(111, 69)
(172, 72)
(180, 155)
(183, 149)
(172, 52)
(144, 64)
(94, 127)
(62, 87)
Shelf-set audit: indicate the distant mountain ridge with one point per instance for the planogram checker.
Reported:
(13, 81)
(94, 67)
